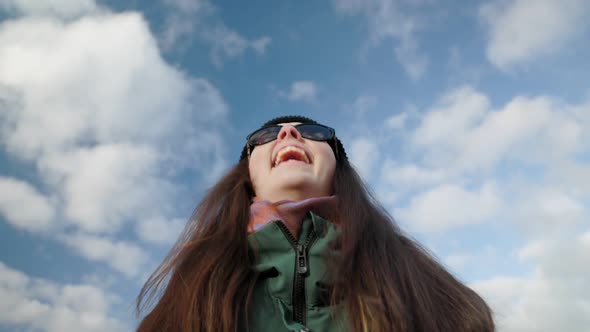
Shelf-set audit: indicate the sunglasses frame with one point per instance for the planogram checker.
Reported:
(331, 139)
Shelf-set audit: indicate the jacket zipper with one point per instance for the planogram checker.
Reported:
(301, 269)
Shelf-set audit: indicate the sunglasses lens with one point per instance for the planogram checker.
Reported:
(264, 135)
(315, 132)
(310, 131)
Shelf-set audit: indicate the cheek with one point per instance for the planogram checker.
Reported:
(257, 166)
(327, 159)
(330, 172)
(254, 170)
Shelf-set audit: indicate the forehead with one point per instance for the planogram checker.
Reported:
(289, 124)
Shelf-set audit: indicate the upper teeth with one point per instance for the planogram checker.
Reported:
(288, 149)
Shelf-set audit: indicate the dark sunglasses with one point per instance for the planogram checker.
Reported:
(312, 131)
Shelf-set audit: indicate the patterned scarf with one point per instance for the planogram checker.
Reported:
(291, 213)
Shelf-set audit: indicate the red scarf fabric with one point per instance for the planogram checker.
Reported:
(291, 213)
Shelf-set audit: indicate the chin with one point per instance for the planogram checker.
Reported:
(296, 181)
(294, 177)
(302, 182)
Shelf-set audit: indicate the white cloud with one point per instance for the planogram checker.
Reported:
(107, 124)
(533, 150)
(192, 6)
(23, 206)
(462, 131)
(454, 113)
(408, 54)
(550, 255)
(227, 43)
(364, 153)
(43, 305)
(554, 298)
(387, 196)
(386, 20)
(397, 121)
(364, 103)
(187, 19)
(259, 45)
(301, 91)
(123, 181)
(457, 261)
(546, 210)
(61, 8)
(411, 176)
(122, 256)
(181, 20)
(85, 90)
(448, 206)
(523, 30)
(349, 6)
(159, 230)
(572, 175)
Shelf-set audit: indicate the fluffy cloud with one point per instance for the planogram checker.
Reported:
(411, 176)
(61, 8)
(227, 43)
(462, 136)
(87, 91)
(197, 18)
(548, 210)
(182, 18)
(554, 298)
(457, 111)
(259, 45)
(160, 231)
(463, 131)
(523, 30)
(521, 166)
(457, 261)
(364, 104)
(386, 20)
(107, 123)
(124, 257)
(364, 153)
(23, 206)
(43, 305)
(448, 206)
(397, 121)
(301, 91)
(122, 180)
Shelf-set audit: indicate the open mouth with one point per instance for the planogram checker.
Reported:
(290, 153)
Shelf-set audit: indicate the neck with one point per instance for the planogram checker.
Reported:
(295, 195)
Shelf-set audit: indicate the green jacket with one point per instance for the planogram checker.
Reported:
(290, 294)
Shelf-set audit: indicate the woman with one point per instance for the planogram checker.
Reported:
(291, 240)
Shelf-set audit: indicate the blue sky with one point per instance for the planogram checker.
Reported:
(470, 121)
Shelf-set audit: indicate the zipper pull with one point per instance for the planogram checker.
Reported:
(301, 259)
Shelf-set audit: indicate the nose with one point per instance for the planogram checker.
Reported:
(288, 131)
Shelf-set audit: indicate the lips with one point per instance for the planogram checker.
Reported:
(290, 152)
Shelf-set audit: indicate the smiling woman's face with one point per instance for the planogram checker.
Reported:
(292, 167)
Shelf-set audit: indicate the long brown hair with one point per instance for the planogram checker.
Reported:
(392, 284)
